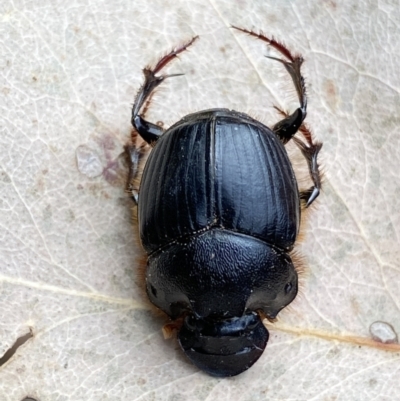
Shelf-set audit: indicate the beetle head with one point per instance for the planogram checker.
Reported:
(223, 347)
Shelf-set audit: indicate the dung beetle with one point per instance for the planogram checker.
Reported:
(218, 213)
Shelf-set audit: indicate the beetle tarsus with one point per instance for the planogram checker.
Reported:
(286, 128)
(148, 131)
(174, 53)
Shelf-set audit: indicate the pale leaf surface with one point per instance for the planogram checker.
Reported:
(69, 260)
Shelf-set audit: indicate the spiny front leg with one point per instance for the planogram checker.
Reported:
(286, 128)
(148, 131)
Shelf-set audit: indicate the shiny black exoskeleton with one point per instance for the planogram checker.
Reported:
(219, 213)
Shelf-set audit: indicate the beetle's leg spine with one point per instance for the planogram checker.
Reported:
(286, 128)
(148, 131)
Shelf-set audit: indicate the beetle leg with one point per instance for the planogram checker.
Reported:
(133, 155)
(310, 151)
(286, 128)
(148, 131)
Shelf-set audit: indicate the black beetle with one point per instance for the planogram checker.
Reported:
(219, 212)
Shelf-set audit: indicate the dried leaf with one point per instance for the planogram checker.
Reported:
(69, 260)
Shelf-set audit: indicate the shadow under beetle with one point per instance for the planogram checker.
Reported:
(219, 213)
